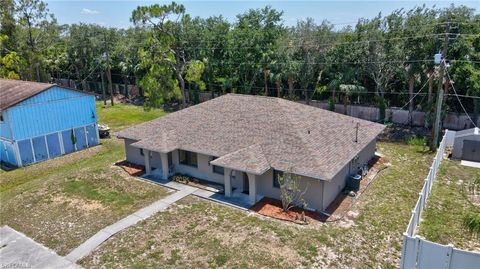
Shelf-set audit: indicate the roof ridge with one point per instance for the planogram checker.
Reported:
(296, 130)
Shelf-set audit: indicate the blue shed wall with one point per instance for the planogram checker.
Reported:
(55, 122)
(51, 111)
(5, 128)
(7, 152)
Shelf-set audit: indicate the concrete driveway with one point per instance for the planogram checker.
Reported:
(19, 251)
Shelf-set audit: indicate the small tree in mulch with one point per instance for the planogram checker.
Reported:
(291, 194)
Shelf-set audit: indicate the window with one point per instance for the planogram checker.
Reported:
(276, 175)
(217, 169)
(141, 152)
(188, 158)
(1, 117)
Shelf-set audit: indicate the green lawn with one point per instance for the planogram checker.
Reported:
(448, 204)
(197, 233)
(121, 116)
(63, 201)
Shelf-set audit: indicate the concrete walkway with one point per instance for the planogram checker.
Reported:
(19, 251)
(470, 164)
(237, 200)
(93, 242)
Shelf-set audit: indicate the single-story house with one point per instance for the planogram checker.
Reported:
(246, 142)
(40, 121)
(466, 145)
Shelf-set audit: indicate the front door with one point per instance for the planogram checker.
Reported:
(245, 183)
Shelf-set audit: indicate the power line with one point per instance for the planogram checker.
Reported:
(411, 99)
(464, 110)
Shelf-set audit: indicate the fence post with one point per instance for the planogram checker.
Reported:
(414, 213)
(422, 203)
(418, 250)
(404, 251)
(448, 257)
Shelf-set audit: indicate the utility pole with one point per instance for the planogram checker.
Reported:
(438, 109)
(109, 74)
(103, 90)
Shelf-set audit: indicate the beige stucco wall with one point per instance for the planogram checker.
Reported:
(204, 170)
(457, 151)
(133, 154)
(332, 188)
(313, 195)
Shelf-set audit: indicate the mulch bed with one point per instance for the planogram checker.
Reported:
(273, 208)
(132, 169)
(337, 209)
(198, 183)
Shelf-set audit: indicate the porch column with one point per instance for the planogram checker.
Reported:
(252, 185)
(227, 181)
(146, 154)
(164, 158)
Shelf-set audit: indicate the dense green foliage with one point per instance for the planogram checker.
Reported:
(173, 56)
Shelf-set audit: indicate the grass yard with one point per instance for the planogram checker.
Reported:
(64, 201)
(197, 233)
(447, 205)
(121, 116)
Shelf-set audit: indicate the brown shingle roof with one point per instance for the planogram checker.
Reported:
(257, 133)
(13, 92)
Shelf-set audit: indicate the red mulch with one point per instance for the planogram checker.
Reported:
(342, 203)
(132, 169)
(273, 208)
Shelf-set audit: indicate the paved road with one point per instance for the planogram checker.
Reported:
(19, 251)
(93, 242)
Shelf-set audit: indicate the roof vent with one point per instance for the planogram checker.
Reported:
(308, 131)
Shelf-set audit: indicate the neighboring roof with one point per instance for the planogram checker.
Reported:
(468, 132)
(13, 92)
(256, 133)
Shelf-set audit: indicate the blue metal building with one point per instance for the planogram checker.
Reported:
(40, 121)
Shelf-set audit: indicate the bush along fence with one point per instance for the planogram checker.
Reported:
(418, 252)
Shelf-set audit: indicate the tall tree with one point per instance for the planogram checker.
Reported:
(37, 27)
(164, 56)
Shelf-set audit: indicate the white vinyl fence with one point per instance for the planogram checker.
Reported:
(418, 252)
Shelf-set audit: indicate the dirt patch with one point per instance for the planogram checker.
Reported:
(402, 132)
(131, 169)
(78, 203)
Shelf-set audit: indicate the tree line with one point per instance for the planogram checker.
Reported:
(387, 60)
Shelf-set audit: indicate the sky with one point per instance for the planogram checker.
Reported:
(111, 13)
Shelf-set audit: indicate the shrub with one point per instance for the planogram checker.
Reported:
(382, 107)
(331, 104)
(471, 221)
(417, 141)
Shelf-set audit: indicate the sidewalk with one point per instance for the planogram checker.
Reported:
(19, 251)
(93, 242)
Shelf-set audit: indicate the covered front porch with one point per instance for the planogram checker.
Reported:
(246, 184)
(237, 187)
